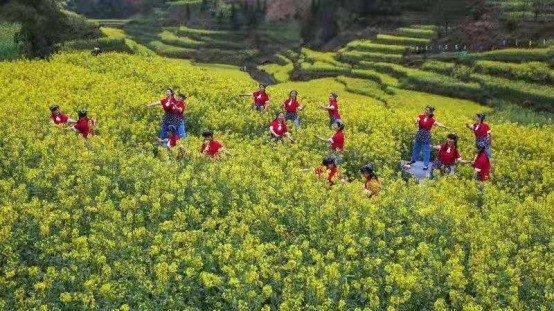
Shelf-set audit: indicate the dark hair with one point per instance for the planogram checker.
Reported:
(207, 134)
(340, 124)
(54, 108)
(182, 95)
(171, 90)
(277, 114)
(454, 137)
(290, 93)
(481, 117)
(329, 160)
(481, 147)
(82, 113)
(172, 129)
(431, 109)
(261, 84)
(368, 169)
(335, 95)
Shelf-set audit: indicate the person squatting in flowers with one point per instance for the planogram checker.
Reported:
(172, 141)
(329, 165)
(169, 117)
(482, 132)
(372, 185)
(211, 147)
(58, 118)
(336, 142)
(291, 107)
(447, 156)
(261, 98)
(332, 108)
(84, 126)
(278, 128)
(425, 123)
(481, 164)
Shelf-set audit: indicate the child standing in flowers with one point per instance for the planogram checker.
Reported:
(261, 98)
(169, 117)
(336, 142)
(329, 165)
(481, 164)
(425, 122)
(291, 107)
(447, 156)
(59, 118)
(482, 132)
(84, 126)
(212, 147)
(332, 108)
(372, 185)
(278, 128)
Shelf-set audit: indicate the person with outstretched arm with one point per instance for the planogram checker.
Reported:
(168, 118)
(332, 108)
(261, 98)
(425, 123)
(58, 118)
(211, 147)
(372, 185)
(330, 166)
(482, 132)
(336, 142)
(447, 156)
(278, 128)
(291, 107)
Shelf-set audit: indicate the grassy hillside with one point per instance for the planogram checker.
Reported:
(8, 47)
(116, 222)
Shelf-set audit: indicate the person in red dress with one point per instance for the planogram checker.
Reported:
(211, 147)
(169, 117)
(291, 107)
(372, 185)
(336, 142)
(481, 164)
(278, 128)
(329, 165)
(84, 126)
(332, 108)
(261, 98)
(448, 155)
(59, 118)
(482, 132)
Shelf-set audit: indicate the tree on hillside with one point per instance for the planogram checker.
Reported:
(44, 25)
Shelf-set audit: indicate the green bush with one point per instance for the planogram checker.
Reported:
(517, 55)
(439, 67)
(416, 33)
(356, 56)
(532, 71)
(368, 46)
(398, 40)
(8, 46)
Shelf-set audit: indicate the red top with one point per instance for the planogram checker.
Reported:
(426, 122)
(167, 104)
(291, 105)
(212, 148)
(448, 154)
(82, 127)
(175, 109)
(59, 118)
(279, 127)
(338, 141)
(172, 142)
(482, 166)
(481, 130)
(260, 98)
(373, 185)
(332, 173)
(334, 112)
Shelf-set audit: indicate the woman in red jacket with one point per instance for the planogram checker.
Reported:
(448, 155)
(336, 142)
(482, 132)
(84, 126)
(212, 147)
(278, 128)
(291, 107)
(329, 165)
(169, 117)
(332, 108)
(59, 118)
(261, 98)
(481, 163)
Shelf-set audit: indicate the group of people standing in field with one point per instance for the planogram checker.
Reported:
(173, 129)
